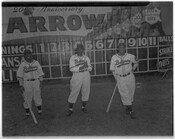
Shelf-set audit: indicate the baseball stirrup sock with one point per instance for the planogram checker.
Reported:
(129, 108)
(27, 111)
(39, 107)
(84, 104)
(71, 106)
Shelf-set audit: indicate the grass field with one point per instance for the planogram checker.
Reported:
(153, 107)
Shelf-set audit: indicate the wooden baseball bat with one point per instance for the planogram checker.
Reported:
(77, 65)
(86, 51)
(33, 116)
(109, 104)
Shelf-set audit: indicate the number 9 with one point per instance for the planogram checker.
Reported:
(131, 42)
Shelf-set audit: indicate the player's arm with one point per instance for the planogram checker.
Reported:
(40, 74)
(19, 75)
(41, 81)
(72, 66)
(135, 62)
(115, 75)
(112, 68)
(135, 66)
(88, 65)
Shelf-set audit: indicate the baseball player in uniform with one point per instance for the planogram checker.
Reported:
(80, 66)
(30, 76)
(122, 66)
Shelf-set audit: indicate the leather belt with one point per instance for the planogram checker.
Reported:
(31, 79)
(125, 75)
(82, 71)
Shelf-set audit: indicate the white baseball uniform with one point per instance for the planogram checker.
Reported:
(122, 71)
(80, 80)
(30, 74)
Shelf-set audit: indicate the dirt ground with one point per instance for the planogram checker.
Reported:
(153, 107)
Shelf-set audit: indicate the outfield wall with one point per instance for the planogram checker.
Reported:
(52, 34)
(154, 53)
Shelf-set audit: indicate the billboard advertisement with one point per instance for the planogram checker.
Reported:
(52, 33)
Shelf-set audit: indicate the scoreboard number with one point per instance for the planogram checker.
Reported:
(142, 41)
(89, 45)
(110, 43)
(152, 41)
(131, 42)
(42, 47)
(53, 46)
(149, 41)
(99, 44)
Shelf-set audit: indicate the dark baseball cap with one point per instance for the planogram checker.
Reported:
(121, 44)
(79, 46)
(27, 51)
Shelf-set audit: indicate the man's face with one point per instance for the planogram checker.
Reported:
(122, 49)
(80, 52)
(28, 57)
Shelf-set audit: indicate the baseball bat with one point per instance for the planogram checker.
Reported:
(85, 51)
(109, 104)
(77, 65)
(33, 116)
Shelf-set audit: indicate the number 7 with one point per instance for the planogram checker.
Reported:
(110, 43)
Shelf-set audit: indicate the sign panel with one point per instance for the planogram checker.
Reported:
(52, 34)
(54, 56)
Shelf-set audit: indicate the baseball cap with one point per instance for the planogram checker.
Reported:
(27, 51)
(79, 46)
(121, 44)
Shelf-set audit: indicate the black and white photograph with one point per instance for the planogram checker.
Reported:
(87, 69)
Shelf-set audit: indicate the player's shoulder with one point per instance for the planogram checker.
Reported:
(115, 56)
(23, 63)
(86, 57)
(35, 62)
(130, 55)
(74, 56)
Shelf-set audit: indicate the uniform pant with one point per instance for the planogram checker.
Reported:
(80, 82)
(126, 87)
(32, 92)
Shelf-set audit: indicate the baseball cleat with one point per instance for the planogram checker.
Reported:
(84, 110)
(40, 112)
(69, 113)
(132, 115)
(127, 111)
(26, 116)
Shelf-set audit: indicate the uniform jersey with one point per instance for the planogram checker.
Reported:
(76, 62)
(29, 70)
(122, 64)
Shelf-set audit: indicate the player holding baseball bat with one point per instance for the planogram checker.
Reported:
(30, 76)
(122, 66)
(80, 81)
